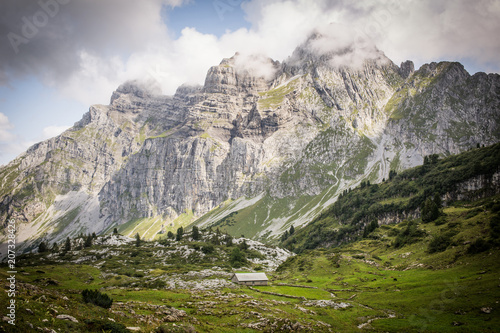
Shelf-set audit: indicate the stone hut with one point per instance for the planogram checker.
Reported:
(250, 279)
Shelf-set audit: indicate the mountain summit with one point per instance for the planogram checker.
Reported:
(262, 145)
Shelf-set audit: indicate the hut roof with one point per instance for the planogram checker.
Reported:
(251, 277)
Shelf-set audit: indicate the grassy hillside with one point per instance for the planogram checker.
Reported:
(400, 197)
(370, 284)
(440, 274)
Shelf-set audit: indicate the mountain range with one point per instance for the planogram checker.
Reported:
(261, 146)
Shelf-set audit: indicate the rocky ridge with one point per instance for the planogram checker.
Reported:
(280, 147)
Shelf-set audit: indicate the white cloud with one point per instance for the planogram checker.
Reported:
(257, 65)
(12, 145)
(5, 127)
(52, 131)
(105, 46)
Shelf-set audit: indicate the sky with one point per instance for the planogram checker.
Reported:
(58, 57)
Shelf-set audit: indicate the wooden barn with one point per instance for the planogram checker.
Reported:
(250, 279)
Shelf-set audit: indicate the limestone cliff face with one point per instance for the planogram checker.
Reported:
(278, 147)
(443, 109)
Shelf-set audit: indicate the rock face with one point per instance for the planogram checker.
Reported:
(279, 147)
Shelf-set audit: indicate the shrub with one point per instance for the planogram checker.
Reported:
(237, 258)
(440, 220)
(243, 245)
(495, 227)
(207, 249)
(156, 284)
(97, 298)
(334, 260)
(409, 235)
(439, 243)
(229, 241)
(478, 246)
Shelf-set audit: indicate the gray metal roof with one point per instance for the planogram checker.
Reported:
(251, 276)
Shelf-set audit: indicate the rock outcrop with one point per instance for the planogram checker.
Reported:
(281, 146)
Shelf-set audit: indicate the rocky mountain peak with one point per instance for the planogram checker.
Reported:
(188, 89)
(241, 74)
(279, 139)
(326, 49)
(137, 88)
(406, 69)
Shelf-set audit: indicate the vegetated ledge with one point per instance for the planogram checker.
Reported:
(471, 175)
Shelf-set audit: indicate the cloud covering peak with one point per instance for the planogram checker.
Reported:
(87, 48)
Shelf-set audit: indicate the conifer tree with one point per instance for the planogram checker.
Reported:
(180, 233)
(88, 241)
(196, 233)
(430, 211)
(67, 245)
(42, 247)
(284, 237)
(244, 245)
(437, 201)
(229, 240)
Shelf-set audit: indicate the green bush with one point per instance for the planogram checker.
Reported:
(430, 211)
(97, 298)
(207, 249)
(156, 284)
(138, 274)
(237, 258)
(409, 235)
(478, 246)
(440, 220)
(495, 227)
(439, 243)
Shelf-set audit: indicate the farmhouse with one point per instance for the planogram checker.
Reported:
(250, 279)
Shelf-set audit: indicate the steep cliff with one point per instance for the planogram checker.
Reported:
(251, 151)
